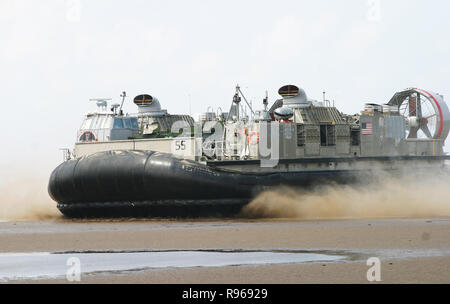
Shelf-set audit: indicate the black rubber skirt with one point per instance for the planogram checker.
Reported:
(154, 184)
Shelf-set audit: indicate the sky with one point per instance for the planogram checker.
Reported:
(55, 55)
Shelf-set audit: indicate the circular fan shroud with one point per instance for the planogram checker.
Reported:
(438, 113)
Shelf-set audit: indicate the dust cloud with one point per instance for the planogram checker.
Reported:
(412, 195)
(26, 199)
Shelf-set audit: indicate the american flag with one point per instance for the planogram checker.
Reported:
(366, 128)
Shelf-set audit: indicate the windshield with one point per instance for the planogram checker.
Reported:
(118, 123)
(134, 123)
(128, 123)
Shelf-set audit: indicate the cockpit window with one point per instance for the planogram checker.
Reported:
(118, 123)
(134, 123)
(127, 123)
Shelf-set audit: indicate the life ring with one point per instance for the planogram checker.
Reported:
(250, 137)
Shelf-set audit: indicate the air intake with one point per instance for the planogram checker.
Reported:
(289, 91)
(149, 105)
(143, 100)
(293, 96)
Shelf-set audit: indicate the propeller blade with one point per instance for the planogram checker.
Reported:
(419, 107)
(412, 106)
(413, 132)
(425, 130)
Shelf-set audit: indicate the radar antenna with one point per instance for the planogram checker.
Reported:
(102, 103)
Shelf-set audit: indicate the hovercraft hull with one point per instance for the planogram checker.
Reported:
(155, 184)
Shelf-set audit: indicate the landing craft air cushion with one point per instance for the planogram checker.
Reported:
(153, 164)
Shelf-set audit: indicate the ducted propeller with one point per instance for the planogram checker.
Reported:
(426, 113)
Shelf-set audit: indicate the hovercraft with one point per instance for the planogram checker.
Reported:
(153, 164)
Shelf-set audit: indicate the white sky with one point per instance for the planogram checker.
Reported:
(56, 54)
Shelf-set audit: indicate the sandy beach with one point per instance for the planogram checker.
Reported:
(411, 250)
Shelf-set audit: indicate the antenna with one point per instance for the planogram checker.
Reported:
(102, 103)
(237, 101)
(326, 102)
(124, 94)
(114, 108)
(266, 100)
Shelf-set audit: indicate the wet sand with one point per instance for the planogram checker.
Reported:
(418, 240)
